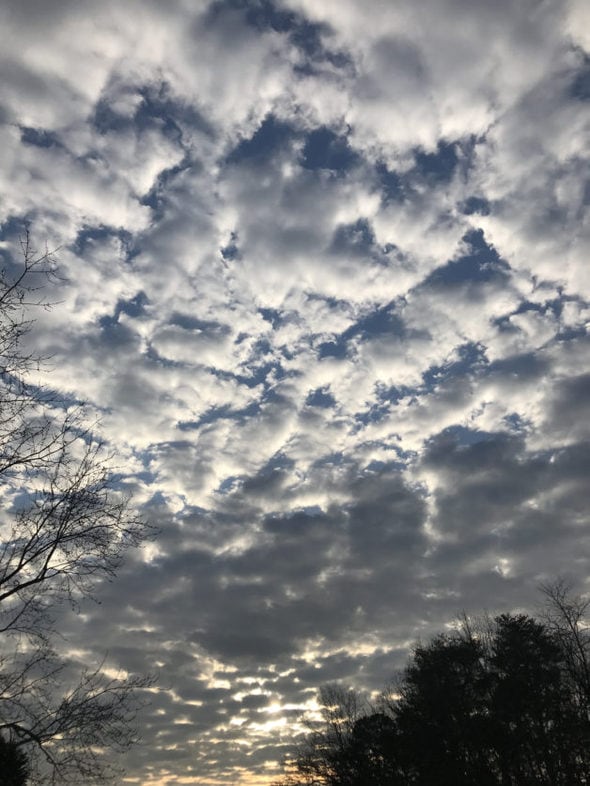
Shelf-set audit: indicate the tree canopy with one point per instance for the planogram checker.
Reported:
(500, 702)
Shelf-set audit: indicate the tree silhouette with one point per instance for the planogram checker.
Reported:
(65, 524)
(372, 754)
(14, 767)
(497, 702)
(442, 713)
(564, 614)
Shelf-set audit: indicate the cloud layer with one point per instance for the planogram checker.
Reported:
(326, 285)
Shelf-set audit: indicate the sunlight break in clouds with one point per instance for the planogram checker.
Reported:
(325, 284)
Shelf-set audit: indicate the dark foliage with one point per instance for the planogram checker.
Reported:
(14, 767)
(500, 702)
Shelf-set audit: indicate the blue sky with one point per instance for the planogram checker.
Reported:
(325, 283)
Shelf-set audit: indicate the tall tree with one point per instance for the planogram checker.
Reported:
(526, 700)
(495, 703)
(64, 525)
(14, 767)
(566, 616)
(442, 713)
(373, 753)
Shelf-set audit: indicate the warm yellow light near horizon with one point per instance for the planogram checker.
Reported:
(245, 779)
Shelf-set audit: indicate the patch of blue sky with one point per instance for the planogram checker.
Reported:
(381, 321)
(357, 238)
(153, 355)
(431, 168)
(516, 423)
(157, 500)
(476, 205)
(117, 335)
(156, 109)
(504, 323)
(481, 265)
(336, 459)
(39, 137)
(261, 14)
(262, 349)
(271, 474)
(321, 397)
(393, 394)
(322, 148)
(438, 167)
(391, 184)
(155, 197)
(90, 236)
(231, 250)
(325, 149)
(12, 234)
(552, 305)
(229, 484)
(333, 349)
(580, 85)
(378, 322)
(274, 316)
(272, 394)
(569, 333)
(145, 475)
(333, 303)
(308, 37)
(216, 413)
(267, 15)
(557, 304)
(271, 136)
(378, 467)
(313, 511)
(133, 307)
(298, 520)
(464, 437)
(470, 357)
(209, 327)
(13, 227)
(53, 399)
(265, 373)
(386, 397)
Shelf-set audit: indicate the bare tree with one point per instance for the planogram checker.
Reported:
(65, 524)
(317, 759)
(567, 616)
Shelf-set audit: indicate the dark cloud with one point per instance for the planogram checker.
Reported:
(570, 412)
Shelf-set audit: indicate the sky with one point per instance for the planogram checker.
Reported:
(325, 281)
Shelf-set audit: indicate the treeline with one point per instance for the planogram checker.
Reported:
(497, 702)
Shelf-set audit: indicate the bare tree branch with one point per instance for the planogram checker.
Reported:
(65, 524)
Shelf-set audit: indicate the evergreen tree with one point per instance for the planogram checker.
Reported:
(14, 767)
